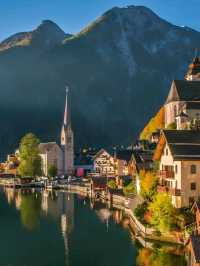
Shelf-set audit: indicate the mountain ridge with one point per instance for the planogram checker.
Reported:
(119, 69)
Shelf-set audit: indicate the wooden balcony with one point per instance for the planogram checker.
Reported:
(166, 174)
(171, 191)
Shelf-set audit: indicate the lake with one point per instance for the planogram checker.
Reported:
(44, 228)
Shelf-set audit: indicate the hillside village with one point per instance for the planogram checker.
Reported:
(165, 160)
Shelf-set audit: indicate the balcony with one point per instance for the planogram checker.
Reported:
(166, 174)
(172, 191)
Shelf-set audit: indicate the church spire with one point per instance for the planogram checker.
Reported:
(67, 109)
(193, 73)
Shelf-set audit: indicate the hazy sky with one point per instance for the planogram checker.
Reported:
(73, 15)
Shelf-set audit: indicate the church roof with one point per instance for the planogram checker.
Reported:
(44, 147)
(183, 90)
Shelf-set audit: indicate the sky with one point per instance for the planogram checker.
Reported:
(74, 15)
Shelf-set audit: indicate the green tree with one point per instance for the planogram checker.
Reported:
(52, 171)
(162, 211)
(30, 160)
(130, 188)
(112, 184)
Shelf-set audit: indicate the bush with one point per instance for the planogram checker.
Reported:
(112, 184)
(140, 211)
(129, 189)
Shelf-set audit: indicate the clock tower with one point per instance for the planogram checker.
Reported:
(67, 139)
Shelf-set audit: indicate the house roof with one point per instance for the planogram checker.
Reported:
(182, 136)
(183, 144)
(124, 155)
(184, 90)
(195, 243)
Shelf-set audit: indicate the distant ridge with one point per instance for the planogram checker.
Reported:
(119, 69)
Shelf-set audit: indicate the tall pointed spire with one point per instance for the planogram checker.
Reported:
(67, 109)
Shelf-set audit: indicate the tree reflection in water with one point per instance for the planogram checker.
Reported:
(30, 210)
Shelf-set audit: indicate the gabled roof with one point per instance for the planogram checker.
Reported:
(184, 90)
(124, 155)
(100, 152)
(183, 144)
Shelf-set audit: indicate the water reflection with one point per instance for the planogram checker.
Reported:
(65, 229)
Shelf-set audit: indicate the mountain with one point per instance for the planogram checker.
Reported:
(119, 69)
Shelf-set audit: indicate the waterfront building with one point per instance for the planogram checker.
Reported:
(122, 159)
(178, 152)
(104, 164)
(60, 156)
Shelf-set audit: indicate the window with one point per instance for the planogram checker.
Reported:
(193, 186)
(193, 169)
(166, 151)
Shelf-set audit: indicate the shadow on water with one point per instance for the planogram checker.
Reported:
(47, 228)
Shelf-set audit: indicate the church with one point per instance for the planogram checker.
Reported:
(60, 155)
(182, 107)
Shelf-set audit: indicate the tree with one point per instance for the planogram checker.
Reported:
(162, 212)
(52, 171)
(112, 184)
(148, 184)
(129, 189)
(30, 160)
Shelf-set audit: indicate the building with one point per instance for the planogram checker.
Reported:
(141, 160)
(122, 159)
(184, 98)
(51, 154)
(104, 164)
(179, 154)
(60, 156)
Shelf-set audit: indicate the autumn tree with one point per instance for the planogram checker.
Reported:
(148, 184)
(30, 160)
(156, 123)
(162, 212)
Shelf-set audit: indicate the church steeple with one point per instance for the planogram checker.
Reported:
(67, 118)
(193, 73)
(67, 138)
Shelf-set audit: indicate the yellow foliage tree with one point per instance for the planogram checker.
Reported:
(156, 123)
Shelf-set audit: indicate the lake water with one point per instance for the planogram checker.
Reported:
(60, 229)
